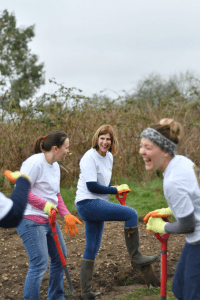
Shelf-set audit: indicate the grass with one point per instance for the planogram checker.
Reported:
(148, 294)
(144, 197)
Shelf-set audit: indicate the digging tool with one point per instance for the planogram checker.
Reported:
(122, 199)
(52, 222)
(163, 281)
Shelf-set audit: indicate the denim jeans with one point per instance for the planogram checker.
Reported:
(186, 282)
(39, 244)
(94, 213)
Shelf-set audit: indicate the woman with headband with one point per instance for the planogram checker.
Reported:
(182, 193)
(34, 230)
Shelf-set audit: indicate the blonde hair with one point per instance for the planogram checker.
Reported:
(104, 129)
(170, 129)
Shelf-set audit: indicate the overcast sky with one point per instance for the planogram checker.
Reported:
(111, 44)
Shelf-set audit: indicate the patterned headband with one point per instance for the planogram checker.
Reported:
(159, 139)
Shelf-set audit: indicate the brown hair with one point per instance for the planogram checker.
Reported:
(54, 138)
(104, 129)
(170, 129)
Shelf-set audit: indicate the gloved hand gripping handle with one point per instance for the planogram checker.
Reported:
(163, 282)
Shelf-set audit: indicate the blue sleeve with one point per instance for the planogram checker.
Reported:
(20, 198)
(97, 188)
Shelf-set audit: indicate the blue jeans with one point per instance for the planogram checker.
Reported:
(39, 244)
(94, 213)
(186, 282)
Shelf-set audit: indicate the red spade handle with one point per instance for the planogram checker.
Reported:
(121, 199)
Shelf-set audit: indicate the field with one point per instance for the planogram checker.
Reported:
(113, 274)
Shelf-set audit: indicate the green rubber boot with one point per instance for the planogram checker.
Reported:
(87, 267)
(138, 260)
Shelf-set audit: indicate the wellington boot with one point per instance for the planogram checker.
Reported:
(138, 260)
(87, 267)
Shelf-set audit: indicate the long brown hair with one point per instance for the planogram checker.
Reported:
(54, 138)
(104, 129)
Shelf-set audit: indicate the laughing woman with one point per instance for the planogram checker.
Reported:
(34, 230)
(93, 206)
(182, 193)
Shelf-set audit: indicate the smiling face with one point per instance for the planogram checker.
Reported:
(154, 157)
(104, 143)
(61, 152)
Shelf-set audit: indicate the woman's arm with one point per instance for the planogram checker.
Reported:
(97, 188)
(20, 199)
(36, 201)
(61, 206)
(183, 225)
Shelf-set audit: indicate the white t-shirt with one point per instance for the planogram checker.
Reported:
(45, 181)
(182, 192)
(94, 168)
(5, 205)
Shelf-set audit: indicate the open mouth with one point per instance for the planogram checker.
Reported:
(104, 147)
(147, 160)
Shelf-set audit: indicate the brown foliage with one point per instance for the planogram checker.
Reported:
(80, 123)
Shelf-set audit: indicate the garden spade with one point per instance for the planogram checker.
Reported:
(163, 281)
(52, 222)
(122, 199)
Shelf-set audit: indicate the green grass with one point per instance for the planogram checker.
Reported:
(148, 294)
(144, 197)
(68, 196)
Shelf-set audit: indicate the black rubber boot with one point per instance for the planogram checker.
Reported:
(138, 260)
(87, 267)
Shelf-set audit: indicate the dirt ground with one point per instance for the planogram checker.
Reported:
(113, 274)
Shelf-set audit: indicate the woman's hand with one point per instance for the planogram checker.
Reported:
(13, 176)
(70, 223)
(156, 224)
(123, 188)
(158, 213)
(48, 207)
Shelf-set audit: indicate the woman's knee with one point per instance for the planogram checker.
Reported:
(38, 263)
(132, 219)
(134, 215)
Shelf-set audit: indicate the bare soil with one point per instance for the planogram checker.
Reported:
(113, 274)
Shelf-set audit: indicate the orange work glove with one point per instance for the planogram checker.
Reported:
(70, 223)
(158, 213)
(13, 176)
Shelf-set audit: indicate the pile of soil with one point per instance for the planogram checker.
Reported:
(113, 274)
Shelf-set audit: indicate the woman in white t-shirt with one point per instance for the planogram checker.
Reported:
(182, 193)
(34, 230)
(93, 206)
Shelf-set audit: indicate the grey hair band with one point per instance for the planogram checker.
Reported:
(159, 139)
